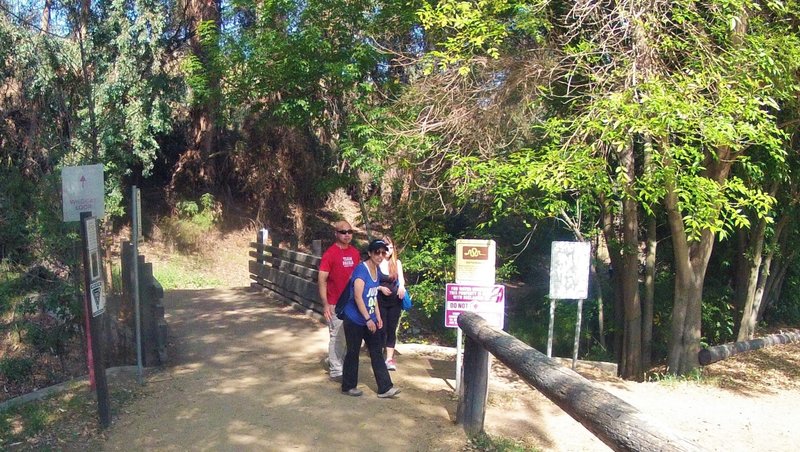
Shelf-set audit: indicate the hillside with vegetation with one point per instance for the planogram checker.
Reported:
(664, 133)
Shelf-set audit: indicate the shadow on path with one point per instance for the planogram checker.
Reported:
(246, 375)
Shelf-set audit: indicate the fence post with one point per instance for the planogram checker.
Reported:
(472, 407)
(263, 240)
(316, 247)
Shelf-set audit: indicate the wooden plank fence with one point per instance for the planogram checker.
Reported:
(612, 420)
(292, 275)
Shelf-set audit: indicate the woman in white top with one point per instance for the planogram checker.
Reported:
(391, 306)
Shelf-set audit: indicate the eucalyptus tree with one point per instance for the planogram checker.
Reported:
(300, 81)
(556, 151)
(686, 84)
(82, 83)
(195, 169)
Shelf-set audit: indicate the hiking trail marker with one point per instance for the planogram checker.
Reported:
(82, 191)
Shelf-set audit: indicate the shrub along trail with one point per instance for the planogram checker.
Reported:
(247, 374)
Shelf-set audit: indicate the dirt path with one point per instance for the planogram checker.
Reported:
(248, 375)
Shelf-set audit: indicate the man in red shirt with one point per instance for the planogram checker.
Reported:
(338, 263)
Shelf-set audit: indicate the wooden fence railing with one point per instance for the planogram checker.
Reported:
(612, 420)
(290, 274)
(716, 353)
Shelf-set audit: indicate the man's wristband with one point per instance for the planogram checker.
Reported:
(368, 319)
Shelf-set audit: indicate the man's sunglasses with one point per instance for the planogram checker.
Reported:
(345, 231)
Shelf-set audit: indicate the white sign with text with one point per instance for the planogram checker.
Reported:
(569, 270)
(82, 191)
(488, 302)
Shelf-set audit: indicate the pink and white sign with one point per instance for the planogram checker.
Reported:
(488, 302)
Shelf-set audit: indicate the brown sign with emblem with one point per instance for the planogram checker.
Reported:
(480, 253)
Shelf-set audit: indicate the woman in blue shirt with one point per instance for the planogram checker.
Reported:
(362, 322)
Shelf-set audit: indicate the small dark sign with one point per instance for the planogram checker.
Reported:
(475, 253)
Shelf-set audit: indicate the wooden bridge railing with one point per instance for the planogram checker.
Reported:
(612, 420)
(290, 274)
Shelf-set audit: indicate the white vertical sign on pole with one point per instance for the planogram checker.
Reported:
(569, 280)
(475, 264)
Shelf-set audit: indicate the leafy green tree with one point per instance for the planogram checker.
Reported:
(627, 79)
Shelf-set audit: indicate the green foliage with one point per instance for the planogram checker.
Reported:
(467, 28)
(428, 268)
(16, 368)
(203, 70)
(597, 352)
(204, 214)
(194, 223)
(182, 273)
(717, 318)
(488, 443)
(672, 380)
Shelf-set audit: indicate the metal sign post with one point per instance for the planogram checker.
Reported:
(569, 279)
(94, 301)
(136, 233)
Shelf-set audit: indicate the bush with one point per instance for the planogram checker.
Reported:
(717, 317)
(16, 369)
(428, 269)
(195, 220)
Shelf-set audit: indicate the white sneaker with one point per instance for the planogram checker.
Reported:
(393, 391)
(391, 365)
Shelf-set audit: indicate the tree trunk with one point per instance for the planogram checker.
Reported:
(45, 25)
(615, 256)
(598, 294)
(747, 324)
(195, 169)
(649, 293)
(691, 262)
(774, 271)
(763, 277)
(649, 271)
(741, 270)
(632, 363)
(86, 71)
(774, 286)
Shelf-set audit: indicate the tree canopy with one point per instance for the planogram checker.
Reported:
(665, 132)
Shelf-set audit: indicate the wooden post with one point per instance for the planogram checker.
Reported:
(263, 240)
(126, 269)
(612, 420)
(476, 387)
(147, 316)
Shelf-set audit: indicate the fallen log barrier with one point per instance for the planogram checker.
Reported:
(612, 420)
(716, 353)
